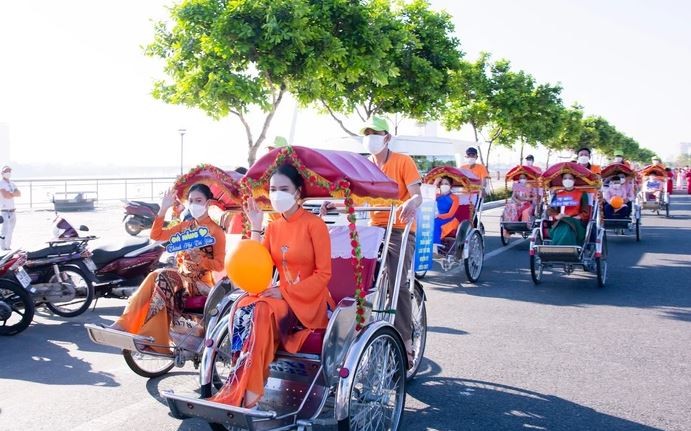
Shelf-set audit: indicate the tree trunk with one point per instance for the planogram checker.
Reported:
(253, 145)
(520, 161)
(477, 140)
(549, 154)
(489, 148)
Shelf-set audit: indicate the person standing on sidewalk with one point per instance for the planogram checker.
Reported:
(8, 191)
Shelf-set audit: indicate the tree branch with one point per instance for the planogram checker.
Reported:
(359, 114)
(338, 120)
(267, 121)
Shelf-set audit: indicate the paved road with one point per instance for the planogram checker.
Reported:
(501, 355)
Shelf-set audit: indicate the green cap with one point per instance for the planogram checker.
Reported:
(378, 124)
(280, 141)
(619, 152)
(655, 158)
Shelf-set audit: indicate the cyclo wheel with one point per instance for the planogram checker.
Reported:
(83, 296)
(638, 229)
(16, 308)
(667, 209)
(377, 397)
(601, 264)
(149, 366)
(504, 240)
(419, 328)
(476, 256)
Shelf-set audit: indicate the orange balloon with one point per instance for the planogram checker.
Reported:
(616, 202)
(249, 266)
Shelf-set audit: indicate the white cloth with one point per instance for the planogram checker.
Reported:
(8, 186)
(10, 220)
(370, 239)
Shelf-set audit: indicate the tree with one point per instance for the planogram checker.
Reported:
(226, 57)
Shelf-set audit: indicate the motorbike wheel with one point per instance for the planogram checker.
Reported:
(133, 227)
(149, 366)
(84, 295)
(16, 308)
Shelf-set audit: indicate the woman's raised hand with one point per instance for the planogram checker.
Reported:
(168, 200)
(254, 213)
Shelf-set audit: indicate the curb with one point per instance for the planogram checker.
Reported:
(492, 205)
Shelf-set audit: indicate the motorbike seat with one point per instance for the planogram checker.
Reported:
(108, 252)
(55, 250)
(154, 207)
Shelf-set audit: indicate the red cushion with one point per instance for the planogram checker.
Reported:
(342, 283)
(195, 302)
(313, 343)
(462, 213)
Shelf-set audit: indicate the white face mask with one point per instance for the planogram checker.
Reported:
(522, 180)
(568, 183)
(583, 160)
(471, 160)
(529, 163)
(445, 189)
(616, 186)
(374, 144)
(197, 210)
(282, 201)
(618, 159)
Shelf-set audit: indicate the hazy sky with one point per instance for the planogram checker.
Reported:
(74, 84)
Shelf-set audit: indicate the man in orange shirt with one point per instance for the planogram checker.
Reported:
(400, 168)
(477, 168)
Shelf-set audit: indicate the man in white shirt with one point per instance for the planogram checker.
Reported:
(8, 191)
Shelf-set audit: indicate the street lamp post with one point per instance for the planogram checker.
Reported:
(182, 140)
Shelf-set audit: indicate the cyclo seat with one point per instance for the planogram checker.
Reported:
(342, 283)
(108, 252)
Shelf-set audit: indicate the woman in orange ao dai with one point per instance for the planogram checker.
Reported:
(299, 244)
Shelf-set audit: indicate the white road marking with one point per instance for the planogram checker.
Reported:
(498, 251)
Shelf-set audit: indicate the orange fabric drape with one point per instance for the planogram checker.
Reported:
(451, 227)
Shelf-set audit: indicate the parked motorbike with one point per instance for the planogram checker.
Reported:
(16, 304)
(139, 216)
(62, 274)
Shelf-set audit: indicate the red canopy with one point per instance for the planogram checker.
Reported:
(324, 171)
(531, 172)
(460, 177)
(617, 169)
(225, 185)
(582, 175)
(658, 170)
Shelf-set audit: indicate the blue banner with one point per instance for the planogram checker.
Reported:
(425, 233)
(190, 239)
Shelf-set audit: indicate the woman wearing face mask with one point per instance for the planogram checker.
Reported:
(160, 298)
(570, 211)
(520, 207)
(617, 187)
(300, 246)
(445, 223)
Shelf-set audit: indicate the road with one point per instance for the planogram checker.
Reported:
(501, 355)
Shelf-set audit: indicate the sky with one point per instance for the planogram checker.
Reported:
(75, 85)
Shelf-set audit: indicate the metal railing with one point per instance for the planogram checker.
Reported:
(39, 193)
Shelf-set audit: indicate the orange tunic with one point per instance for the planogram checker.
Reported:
(451, 227)
(301, 250)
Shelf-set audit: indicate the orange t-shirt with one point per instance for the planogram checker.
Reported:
(402, 169)
(478, 169)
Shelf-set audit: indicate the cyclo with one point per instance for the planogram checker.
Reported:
(653, 194)
(353, 373)
(632, 222)
(523, 228)
(591, 256)
(205, 311)
(467, 244)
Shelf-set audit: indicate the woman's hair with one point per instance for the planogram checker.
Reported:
(201, 188)
(293, 175)
(447, 178)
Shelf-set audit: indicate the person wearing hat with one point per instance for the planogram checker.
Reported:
(8, 191)
(530, 161)
(477, 168)
(402, 169)
(619, 158)
(657, 161)
(584, 160)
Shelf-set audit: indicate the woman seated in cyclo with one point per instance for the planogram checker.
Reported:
(570, 210)
(652, 186)
(520, 207)
(445, 224)
(618, 197)
(158, 302)
(299, 244)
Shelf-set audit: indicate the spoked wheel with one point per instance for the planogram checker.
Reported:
(667, 210)
(222, 361)
(504, 239)
(16, 308)
(476, 257)
(83, 295)
(419, 329)
(377, 396)
(638, 229)
(149, 366)
(132, 226)
(536, 268)
(601, 264)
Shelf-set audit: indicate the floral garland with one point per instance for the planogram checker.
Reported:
(337, 189)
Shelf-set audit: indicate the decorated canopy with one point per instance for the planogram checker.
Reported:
(326, 173)
(460, 177)
(532, 173)
(617, 169)
(225, 185)
(658, 170)
(582, 175)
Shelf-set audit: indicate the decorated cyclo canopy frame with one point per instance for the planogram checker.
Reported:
(460, 177)
(618, 169)
(335, 174)
(583, 177)
(531, 173)
(653, 170)
(225, 185)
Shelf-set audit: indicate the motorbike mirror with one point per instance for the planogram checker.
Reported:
(83, 228)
